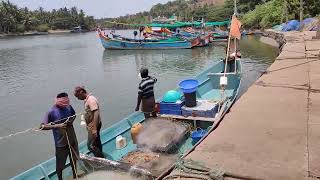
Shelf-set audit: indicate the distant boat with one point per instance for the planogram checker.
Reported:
(221, 36)
(78, 29)
(121, 43)
(204, 40)
(196, 38)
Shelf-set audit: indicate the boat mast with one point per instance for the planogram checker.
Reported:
(229, 40)
(224, 78)
(235, 14)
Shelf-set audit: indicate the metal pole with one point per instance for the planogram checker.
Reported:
(235, 7)
(284, 12)
(301, 15)
(286, 6)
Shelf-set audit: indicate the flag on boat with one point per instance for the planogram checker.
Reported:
(235, 28)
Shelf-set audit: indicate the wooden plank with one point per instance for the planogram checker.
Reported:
(187, 118)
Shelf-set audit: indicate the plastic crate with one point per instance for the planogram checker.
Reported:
(168, 111)
(203, 109)
(171, 108)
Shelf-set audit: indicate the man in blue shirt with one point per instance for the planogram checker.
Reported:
(59, 119)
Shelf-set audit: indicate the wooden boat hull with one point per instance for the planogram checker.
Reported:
(204, 41)
(117, 44)
(209, 89)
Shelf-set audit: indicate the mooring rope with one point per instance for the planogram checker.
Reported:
(192, 169)
(36, 129)
(71, 155)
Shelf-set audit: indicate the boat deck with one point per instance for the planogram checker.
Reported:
(273, 130)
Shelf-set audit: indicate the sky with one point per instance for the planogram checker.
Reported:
(96, 8)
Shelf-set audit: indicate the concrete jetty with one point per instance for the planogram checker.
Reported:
(273, 130)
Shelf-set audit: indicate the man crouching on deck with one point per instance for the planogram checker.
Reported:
(146, 94)
(93, 120)
(60, 119)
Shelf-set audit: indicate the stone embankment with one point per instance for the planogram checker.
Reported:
(273, 130)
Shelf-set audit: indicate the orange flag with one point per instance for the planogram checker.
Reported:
(235, 27)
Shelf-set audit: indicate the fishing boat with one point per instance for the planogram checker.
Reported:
(204, 40)
(219, 37)
(189, 120)
(79, 29)
(197, 39)
(128, 44)
(208, 89)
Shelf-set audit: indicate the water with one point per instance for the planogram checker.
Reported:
(34, 69)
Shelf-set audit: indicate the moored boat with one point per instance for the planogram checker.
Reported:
(208, 90)
(123, 43)
(79, 29)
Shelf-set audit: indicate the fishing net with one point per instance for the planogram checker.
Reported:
(162, 135)
(96, 167)
(155, 163)
(157, 145)
(113, 175)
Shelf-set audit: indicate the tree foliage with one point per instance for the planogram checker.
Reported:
(188, 10)
(264, 15)
(272, 12)
(15, 19)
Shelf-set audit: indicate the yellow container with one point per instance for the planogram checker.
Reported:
(135, 130)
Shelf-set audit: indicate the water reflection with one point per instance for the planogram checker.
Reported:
(164, 61)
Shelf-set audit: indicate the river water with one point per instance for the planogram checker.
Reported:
(34, 69)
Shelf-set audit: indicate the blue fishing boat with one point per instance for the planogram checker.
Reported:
(208, 90)
(128, 44)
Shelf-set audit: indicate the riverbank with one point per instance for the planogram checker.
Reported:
(34, 33)
(272, 131)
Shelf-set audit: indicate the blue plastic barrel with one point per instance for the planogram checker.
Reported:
(189, 88)
(188, 85)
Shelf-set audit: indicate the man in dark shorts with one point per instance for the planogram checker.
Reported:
(93, 120)
(232, 61)
(59, 119)
(146, 94)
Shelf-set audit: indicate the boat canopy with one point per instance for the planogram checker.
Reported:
(178, 24)
(187, 24)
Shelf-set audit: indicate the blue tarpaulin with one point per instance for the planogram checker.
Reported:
(311, 24)
(292, 25)
(278, 27)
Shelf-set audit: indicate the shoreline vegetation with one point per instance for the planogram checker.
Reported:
(35, 33)
(16, 21)
(254, 14)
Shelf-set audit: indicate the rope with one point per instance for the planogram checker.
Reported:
(71, 156)
(18, 133)
(35, 129)
(193, 169)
